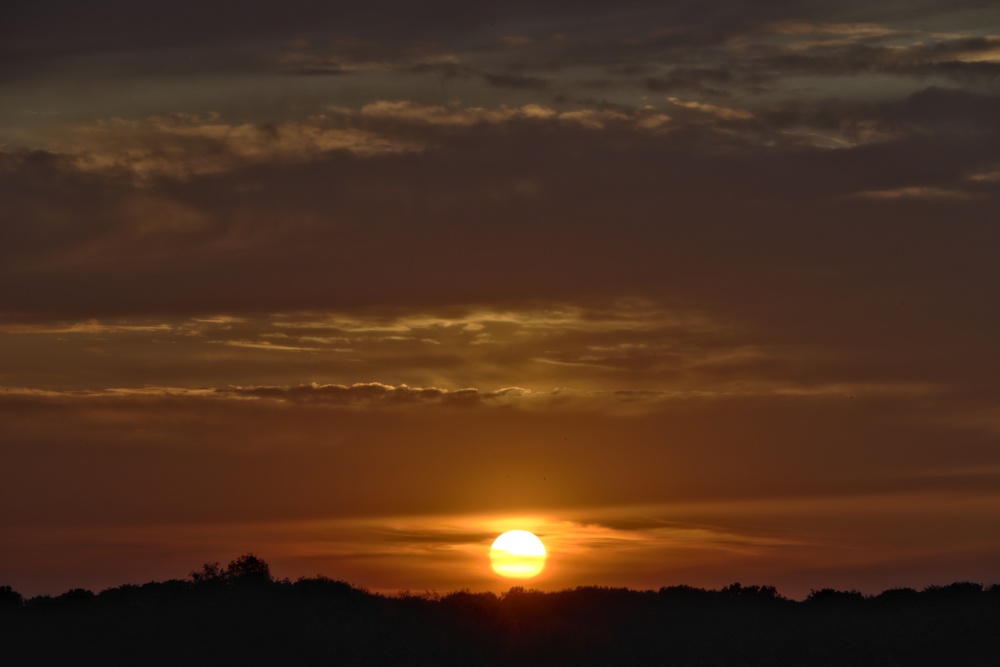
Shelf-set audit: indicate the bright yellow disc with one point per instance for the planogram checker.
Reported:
(517, 554)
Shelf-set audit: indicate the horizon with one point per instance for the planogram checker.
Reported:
(215, 572)
(240, 612)
(696, 292)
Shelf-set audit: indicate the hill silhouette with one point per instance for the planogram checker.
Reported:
(240, 614)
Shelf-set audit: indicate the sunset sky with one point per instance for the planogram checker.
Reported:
(698, 292)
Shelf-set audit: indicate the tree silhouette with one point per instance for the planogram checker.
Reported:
(238, 614)
(10, 599)
(247, 568)
(209, 573)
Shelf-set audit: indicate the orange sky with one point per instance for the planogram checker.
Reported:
(700, 294)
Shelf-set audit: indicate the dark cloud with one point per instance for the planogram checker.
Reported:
(449, 71)
(700, 80)
(516, 81)
(689, 202)
(371, 394)
(315, 71)
(632, 36)
(444, 70)
(939, 59)
(951, 110)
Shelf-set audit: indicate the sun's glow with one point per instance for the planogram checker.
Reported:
(517, 554)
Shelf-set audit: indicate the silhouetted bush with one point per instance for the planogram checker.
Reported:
(247, 569)
(957, 590)
(321, 586)
(738, 592)
(897, 596)
(829, 596)
(77, 596)
(10, 599)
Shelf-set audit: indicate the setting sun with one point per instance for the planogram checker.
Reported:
(517, 554)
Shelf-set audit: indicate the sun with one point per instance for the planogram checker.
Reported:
(517, 554)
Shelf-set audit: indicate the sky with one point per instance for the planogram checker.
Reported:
(699, 292)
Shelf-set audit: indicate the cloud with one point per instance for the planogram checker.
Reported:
(921, 55)
(454, 70)
(761, 58)
(985, 176)
(918, 192)
(269, 345)
(517, 81)
(316, 71)
(376, 393)
(92, 326)
(347, 55)
(723, 113)
(704, 80)
(184, 146)
(644, 118)
(506, 205)
(854, 30)
(413, 112)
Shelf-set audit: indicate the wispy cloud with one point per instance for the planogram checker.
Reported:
(724, 113)
(92, 326)
(918, 192)
(183, 146)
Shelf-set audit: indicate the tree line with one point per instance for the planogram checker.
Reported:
(241, 614)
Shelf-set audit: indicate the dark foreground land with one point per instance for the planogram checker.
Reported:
(241, 616)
